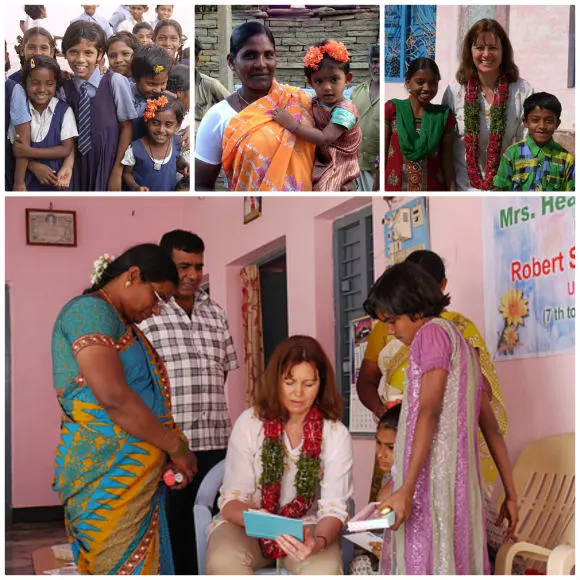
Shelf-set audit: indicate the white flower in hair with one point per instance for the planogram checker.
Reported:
(99, 267)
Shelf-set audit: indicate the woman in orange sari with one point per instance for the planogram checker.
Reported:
(238, 134)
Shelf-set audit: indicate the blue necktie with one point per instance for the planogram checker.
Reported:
(84, 143)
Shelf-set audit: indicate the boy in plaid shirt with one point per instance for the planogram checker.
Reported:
(537, 163)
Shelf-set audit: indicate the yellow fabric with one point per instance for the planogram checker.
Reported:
(397, 368)
(258, 154)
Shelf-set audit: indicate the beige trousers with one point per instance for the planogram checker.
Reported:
(231, 551)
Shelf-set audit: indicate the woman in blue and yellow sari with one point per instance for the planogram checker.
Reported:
(117, 430)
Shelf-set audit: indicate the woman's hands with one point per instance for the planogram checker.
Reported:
(509, 511)
(284, 118)
(186, 465)
(401, 502)
(299, 551)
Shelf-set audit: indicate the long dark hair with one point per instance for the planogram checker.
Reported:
(155, 266)
(406, 289)
(467, 67)
(242, 33)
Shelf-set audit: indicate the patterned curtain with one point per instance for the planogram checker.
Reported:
(253, 333)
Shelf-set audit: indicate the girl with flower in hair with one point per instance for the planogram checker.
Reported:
(337, 133)
(289, 455)
(151, 163)
(117, 433)
(488, 103)
(419, 135)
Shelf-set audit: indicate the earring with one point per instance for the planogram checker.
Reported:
(127, 283)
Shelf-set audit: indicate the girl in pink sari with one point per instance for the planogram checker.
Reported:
(438, 501)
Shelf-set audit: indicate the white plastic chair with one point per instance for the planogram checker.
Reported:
(202, 508)
(544, 479)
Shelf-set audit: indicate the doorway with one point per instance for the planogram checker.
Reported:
(274, 297)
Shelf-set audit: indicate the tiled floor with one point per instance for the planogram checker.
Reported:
(23, 539)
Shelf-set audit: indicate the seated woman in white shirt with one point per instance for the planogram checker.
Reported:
(290, 455)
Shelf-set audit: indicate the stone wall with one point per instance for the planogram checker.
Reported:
(356, 27)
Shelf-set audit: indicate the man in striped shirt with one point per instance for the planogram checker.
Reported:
(192, 337)
(537, 163)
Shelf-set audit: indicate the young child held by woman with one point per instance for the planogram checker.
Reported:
(150, 163)
(437, 494)
(337, 133)
(39, 166)
(419, 135)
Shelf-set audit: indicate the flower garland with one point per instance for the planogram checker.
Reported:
(335, 50)
(307, 475)
(99, 267)
(496, 131)
(152, 106)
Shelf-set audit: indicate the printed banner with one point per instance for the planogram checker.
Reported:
(529, 262)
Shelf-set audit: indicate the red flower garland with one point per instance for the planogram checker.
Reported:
(299, 506)
(497, 130)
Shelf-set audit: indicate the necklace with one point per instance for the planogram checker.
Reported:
(307, 473)
(498, 119)
(156, 164)
(240, 98)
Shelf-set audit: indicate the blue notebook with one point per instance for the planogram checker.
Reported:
(262, 525)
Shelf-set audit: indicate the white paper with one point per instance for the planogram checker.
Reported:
(365, 540)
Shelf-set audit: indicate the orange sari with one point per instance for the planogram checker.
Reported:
(259, 154)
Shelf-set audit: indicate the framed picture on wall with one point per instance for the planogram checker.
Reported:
(51, 227)
(252, 208)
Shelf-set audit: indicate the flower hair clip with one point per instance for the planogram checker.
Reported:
(99, 267)
(152, 107)
(335, 50)
(158, 69)
(32, 63)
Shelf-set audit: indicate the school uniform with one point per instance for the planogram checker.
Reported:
(156, 174)
(140, 103)
(16, 113)
(111, 104)
(48, 129)
(96, 19)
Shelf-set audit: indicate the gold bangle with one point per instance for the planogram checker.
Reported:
(183, 449)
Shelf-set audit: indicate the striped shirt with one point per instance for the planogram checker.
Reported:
(525, 166)
(197, 351)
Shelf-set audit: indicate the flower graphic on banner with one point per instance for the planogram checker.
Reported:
(513, 309)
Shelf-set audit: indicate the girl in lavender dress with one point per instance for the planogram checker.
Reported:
(440, 519)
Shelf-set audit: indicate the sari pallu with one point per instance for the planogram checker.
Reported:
(108, 480)
(342, 165)
(259, 154)
(393, 361)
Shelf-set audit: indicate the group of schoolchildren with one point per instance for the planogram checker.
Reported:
(117, 121)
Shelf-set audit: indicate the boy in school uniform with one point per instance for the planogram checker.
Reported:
(537, 163)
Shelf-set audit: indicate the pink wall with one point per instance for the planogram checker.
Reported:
(303, 225)
(542, 57)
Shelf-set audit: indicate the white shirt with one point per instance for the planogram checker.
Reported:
(454, 97)
(40, 123)
(128, 24)
(244, 467)
(208, 141)
(129, 157)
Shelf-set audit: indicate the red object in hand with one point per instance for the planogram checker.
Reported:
(170, 478)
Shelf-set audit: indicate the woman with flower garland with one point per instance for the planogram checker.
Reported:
(239, 133)
(488, 103)
(288, 455)
(117, 432)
